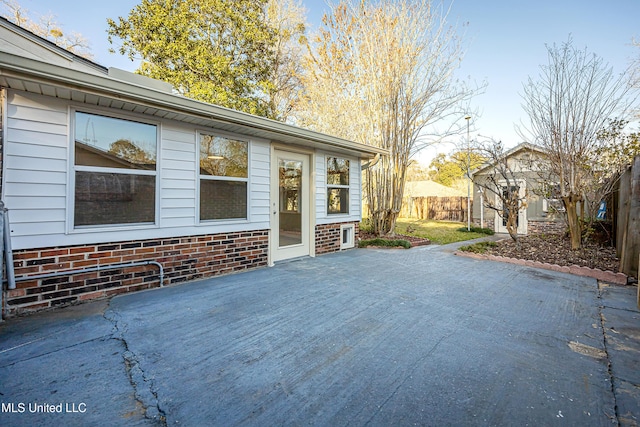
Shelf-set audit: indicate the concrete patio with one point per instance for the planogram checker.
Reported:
(363, 337)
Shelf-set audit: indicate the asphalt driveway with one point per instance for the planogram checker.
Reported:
(364, 337)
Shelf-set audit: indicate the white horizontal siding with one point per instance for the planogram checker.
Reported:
(38, 215)
(38, 143)
(35, 167)
(29, 189)
(321, 186)
(355, 190)
(35, 149)
(259, 183)
(35, 177)
(177, 176)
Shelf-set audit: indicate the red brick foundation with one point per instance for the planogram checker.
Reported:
(183, 258)
(328, 237)
(546, 227)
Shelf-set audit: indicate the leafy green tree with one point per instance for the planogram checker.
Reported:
(447, 170)
(216, 51)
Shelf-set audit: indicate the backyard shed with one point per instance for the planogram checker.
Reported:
(544, 210)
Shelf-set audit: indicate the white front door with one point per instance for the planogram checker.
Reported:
(501, 218)
(290, 205)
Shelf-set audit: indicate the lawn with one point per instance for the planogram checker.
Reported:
(439, 232)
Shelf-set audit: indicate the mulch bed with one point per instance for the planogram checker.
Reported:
(556, 249)
(549, 248)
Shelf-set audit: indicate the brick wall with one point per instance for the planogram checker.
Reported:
(183, 258)
(328, 237)
(488, 223)
(546, 227)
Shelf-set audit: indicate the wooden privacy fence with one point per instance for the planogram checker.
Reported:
(628, 220)
(437, 208)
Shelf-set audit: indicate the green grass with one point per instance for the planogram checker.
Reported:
(478, 248)
(439, 232)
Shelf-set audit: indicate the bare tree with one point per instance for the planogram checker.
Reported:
(567, 105)
(47, 27)
(380, 73)
(500, 180)
(287, 19)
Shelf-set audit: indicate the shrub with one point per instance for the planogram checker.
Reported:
(475, 229)
(478, 248)
(366, 226)
(384, 242)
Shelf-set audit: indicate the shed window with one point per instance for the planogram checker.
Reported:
(114, 171)
(337, 185)
(224, 171)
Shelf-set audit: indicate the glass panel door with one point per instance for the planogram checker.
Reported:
(290, 235)
(290, 200)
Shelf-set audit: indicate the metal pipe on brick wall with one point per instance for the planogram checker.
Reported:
(92, 269)
(8, 252)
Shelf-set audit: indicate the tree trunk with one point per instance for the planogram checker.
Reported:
(512, 226)
(575, 233)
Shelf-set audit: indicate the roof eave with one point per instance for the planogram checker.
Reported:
(18, 67)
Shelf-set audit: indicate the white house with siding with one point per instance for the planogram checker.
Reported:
(101, 167)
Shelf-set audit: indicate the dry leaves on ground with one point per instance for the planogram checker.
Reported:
(556, 249)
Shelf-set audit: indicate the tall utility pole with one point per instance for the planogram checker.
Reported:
(467, 118)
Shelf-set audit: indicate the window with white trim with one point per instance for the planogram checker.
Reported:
(552, 201)
(224, 176)
(337, 185)
(114, 171)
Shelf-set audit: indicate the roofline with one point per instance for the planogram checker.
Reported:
(13, 66)
(51, 46)
(521, 146)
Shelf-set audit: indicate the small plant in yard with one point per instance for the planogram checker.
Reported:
(478, 248)
(474, 229)
(385, 243)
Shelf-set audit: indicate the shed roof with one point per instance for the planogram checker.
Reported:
(524, 146)
(32, 64)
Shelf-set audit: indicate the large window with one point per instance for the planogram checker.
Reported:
(115, 171)
(337, 185)
(223, 178)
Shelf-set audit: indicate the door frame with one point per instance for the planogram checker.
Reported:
(522, 214)
(275, 253)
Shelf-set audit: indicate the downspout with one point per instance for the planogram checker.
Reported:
(8, 251)
(371, 163)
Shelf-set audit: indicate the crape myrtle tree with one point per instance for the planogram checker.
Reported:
(501, 183)
(287, 18)
(236, 54)
(381, 73)
(568, 104)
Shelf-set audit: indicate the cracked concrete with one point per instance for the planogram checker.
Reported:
(144, 392)
(365, 337)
